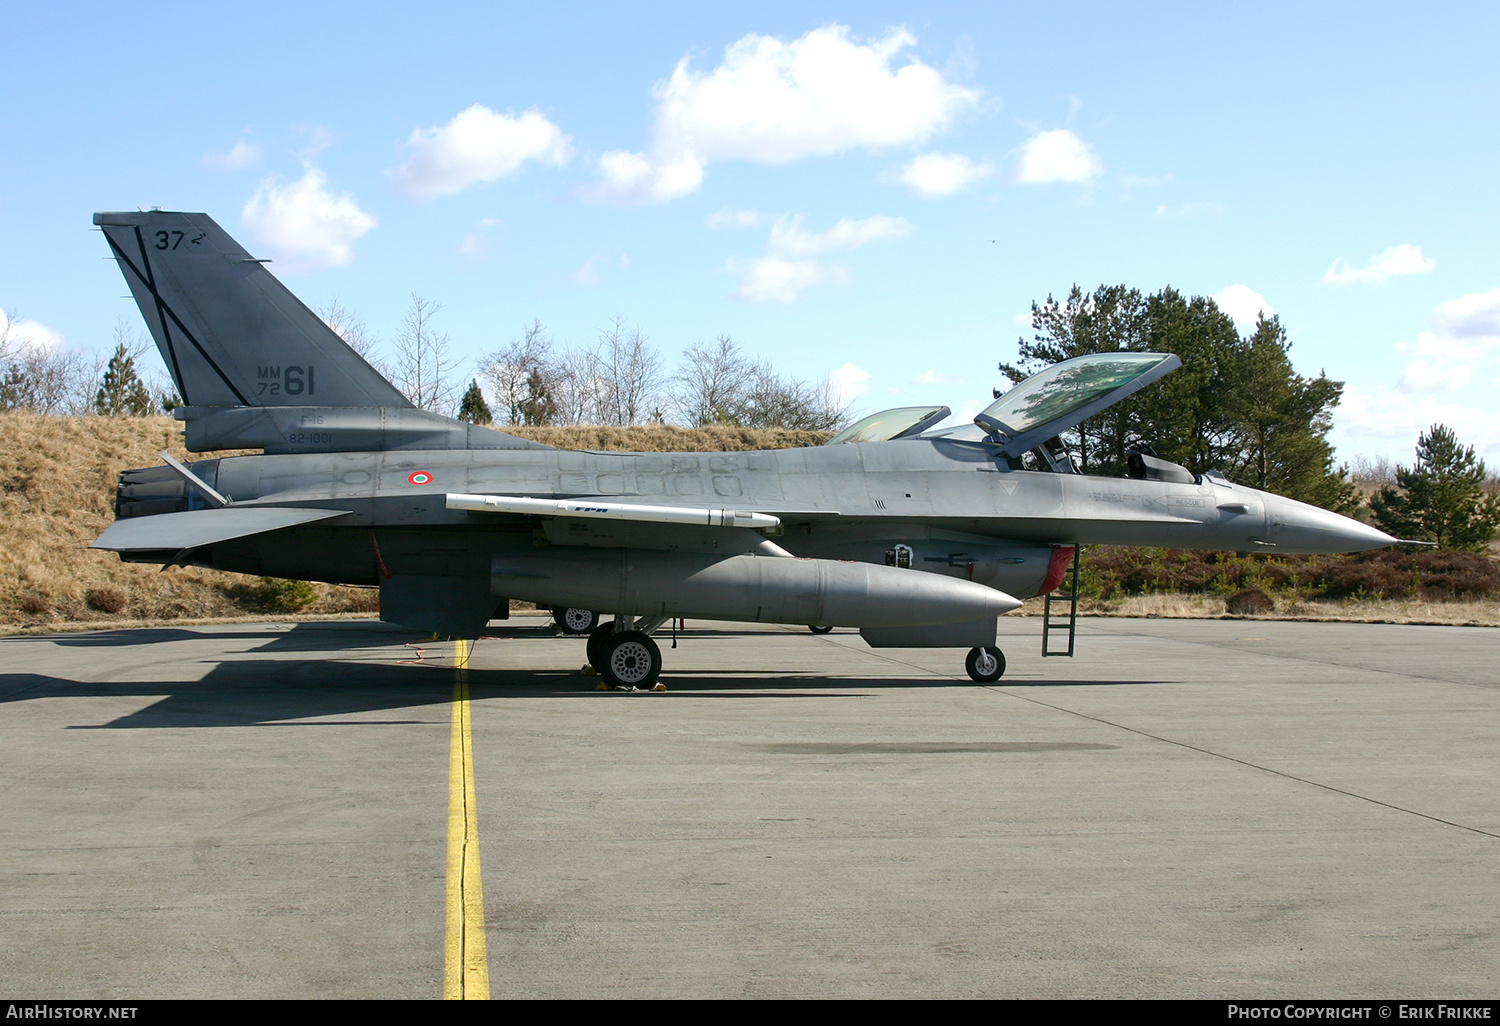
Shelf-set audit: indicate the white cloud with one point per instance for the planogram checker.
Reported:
(478, 145)
(242, 154)
(733, 219)
(1476, 315)
(24, 334)
(1243, 305)
(774, 102)
(304, 226)
(1423, 376)
(849, 383)
(1057, 156)
(789, 238)
(781, 276)
(1192, 208)
(585, 274)
(942, 174)
(1448, 378)
(777, 280)
(1391, 263)
(476, 245)
(1387, 421)
(318, 139)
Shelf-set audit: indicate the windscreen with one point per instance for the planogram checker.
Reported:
(889, 424)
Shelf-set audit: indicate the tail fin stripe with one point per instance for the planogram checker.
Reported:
(164, 311)
(151, 285)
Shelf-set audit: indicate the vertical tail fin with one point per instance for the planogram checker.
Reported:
(230, 333)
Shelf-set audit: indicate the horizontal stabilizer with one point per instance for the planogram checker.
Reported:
(178, 531)
(605, 509)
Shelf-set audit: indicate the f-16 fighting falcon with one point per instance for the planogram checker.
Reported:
(918, 536)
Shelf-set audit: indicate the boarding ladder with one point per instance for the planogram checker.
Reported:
(1066, 594)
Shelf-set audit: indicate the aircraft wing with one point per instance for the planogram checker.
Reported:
(178, 531)
(607, 509)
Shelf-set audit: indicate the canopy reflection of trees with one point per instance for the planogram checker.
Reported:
(1236, 405)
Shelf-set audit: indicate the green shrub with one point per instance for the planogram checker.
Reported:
(276, 595)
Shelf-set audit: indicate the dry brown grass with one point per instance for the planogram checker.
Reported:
(665, 438)
(1177, 606)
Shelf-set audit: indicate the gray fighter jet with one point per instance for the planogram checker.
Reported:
(919, 537)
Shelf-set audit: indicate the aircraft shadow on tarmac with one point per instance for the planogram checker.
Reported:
(241, 691)
(317, 635)
(281, 693)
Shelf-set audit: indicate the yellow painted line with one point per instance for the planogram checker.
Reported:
(466, 975)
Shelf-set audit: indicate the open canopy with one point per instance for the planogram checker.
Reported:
(1065, 394)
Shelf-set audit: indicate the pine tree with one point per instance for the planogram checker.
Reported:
(538, 408)
(1236, 405)
(122, 393)
(473, 408)
(1442, 498)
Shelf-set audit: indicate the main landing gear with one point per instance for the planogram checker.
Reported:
(985, 665)
(625, 658)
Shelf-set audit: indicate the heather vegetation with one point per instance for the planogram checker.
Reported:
(1113, 573)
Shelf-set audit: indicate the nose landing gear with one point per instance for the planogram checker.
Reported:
(986, 665)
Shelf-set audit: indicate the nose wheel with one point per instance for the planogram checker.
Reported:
(986, 665)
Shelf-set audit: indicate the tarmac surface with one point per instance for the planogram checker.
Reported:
(1188, 808)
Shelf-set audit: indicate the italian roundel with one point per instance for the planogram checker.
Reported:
(419, 477)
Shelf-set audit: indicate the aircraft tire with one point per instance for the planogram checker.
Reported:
(598, 639)
(631, 660)
(819, 628)
(986, 665)
(576, 621)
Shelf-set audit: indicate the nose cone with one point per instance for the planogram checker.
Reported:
(1298, 527)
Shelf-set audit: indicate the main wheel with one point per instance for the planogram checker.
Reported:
(985, 665)
(598, 640)
(576, 621)
(819, 628)
(631, 660)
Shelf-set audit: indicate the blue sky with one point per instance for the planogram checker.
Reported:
(872, 191)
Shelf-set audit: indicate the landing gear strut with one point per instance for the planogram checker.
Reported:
(985, 665)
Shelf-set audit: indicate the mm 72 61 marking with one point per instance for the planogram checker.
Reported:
(291, 379)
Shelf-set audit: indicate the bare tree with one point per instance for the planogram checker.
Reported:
(774, 401)
(578, 390)
(350, 327)
(424, 363)
(631, 371)
(518, 372)
(45, 380)
(709, 387)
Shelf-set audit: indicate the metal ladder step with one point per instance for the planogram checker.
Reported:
(1064, 595)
